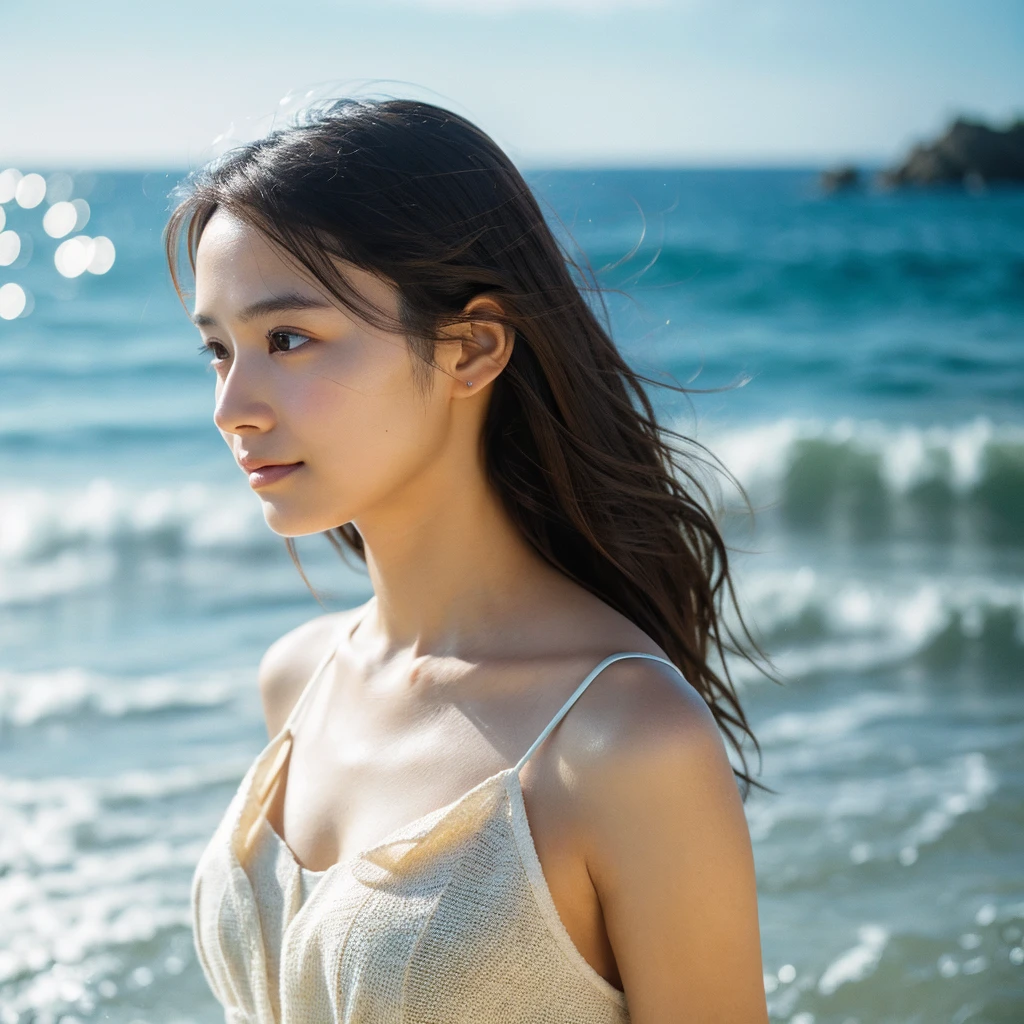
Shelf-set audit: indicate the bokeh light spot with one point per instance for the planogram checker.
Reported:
(30, 191)
(10, 247)
(102, 255)
(82, 208)
(12, 301)
(59, 187)
(60, 219)
(8, 183)
(73, 257)
(3, 218)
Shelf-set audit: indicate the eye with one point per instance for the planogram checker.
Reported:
(288, 342)
(211, 348)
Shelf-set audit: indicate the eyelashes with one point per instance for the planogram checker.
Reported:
(207, 349)
(288, 334)
(210, 347)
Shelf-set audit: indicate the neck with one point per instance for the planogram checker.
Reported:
(449, 568)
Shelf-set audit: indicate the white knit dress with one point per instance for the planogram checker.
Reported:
(448, 919)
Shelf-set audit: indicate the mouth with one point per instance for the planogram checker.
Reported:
(271, 474)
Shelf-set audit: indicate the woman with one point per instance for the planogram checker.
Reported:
(406, 363)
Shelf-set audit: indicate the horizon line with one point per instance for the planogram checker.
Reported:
(525, 166)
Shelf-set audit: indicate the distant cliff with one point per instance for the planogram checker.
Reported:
(969, 153)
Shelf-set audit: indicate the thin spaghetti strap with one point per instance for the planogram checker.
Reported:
(578, 692)
(311, 682)
(271, 776)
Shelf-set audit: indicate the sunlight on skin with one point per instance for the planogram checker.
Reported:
(313, 386)
(319, 387)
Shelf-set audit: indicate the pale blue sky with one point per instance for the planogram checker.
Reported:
(596, 82)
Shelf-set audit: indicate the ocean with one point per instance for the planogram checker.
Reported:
(863, 362)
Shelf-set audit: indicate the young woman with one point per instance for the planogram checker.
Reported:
(406, 363)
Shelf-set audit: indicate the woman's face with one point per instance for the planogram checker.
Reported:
(301, 381)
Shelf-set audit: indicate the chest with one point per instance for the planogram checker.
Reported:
(339, 793)
(448, 920)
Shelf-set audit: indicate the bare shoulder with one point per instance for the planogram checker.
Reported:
(667, 846)
(640, 719)
(289, 661)
(647, 745)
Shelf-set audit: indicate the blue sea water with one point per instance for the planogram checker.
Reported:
(863, 362)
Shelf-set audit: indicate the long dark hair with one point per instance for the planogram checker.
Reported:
(422, 197)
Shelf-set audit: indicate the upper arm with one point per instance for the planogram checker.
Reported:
(288, 664)
(670, 855)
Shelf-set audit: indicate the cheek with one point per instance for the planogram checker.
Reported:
(367, 425)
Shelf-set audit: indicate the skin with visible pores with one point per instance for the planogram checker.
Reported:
(471, 643)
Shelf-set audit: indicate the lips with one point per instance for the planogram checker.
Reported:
(270, 473)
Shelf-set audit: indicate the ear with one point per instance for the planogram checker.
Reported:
(484, 349)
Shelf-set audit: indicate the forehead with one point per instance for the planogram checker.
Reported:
(235, 263)
(233, 251)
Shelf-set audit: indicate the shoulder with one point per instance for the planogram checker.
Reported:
(666, 844)
(663, 758)
(639, 720)
(640, 744)
(289, 661)
(648, 749)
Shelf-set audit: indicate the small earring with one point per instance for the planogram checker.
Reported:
(469, 383)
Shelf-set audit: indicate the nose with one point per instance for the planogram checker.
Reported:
(242, 405)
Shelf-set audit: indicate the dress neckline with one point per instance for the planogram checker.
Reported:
(440, 812)
(286, 733)
(391, 836)
(522, 837)
(516, 807)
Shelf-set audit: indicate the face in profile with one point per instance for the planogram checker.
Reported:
(302, 381)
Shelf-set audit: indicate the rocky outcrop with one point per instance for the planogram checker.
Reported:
(969, 153)
(840, 179)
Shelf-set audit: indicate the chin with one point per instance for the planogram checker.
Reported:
(288, 521)
(286, 524)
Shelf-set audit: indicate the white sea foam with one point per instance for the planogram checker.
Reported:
(973, 783)
(889, 817)
(858, 962)
(907, 455)
(839, 721)
(92, 867)
(32, 697)
(37, 522)
(43, 821)
(814, 622)
(69, 572)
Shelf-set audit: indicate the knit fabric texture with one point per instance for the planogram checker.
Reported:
(447, 919)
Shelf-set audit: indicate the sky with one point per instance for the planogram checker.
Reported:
(119, 83)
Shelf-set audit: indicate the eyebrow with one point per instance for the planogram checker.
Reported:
(289, 303)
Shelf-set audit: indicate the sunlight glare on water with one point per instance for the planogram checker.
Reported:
(59, 187)
(102, 255)
(10, 247)
(72, 257)
(13, 301)
(61, 216)
(60, 219)
(8, 183)
(30, 191)
(81, 253)
(83, 212)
